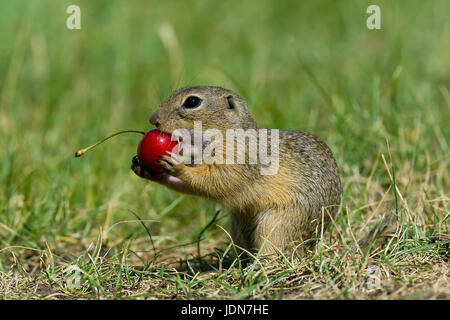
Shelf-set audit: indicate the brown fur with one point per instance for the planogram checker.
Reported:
(286, 208)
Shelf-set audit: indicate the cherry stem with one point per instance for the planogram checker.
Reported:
(80, 152)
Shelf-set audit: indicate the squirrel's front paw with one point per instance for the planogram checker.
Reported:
(140, 170)
(173, 164)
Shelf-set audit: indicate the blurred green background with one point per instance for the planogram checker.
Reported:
(310, 65)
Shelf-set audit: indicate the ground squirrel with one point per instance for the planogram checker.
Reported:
(286, 208)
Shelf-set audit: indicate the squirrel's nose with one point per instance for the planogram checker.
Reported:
(154, 120)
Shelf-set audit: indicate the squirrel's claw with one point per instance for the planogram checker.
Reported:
(178, 159)
(140, 170)
(136, 165)
(172, 164)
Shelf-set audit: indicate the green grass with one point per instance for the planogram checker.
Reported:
(300, 65)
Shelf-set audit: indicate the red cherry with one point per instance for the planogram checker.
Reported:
(154, 144)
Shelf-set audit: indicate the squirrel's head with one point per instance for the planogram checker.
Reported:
(215, 107)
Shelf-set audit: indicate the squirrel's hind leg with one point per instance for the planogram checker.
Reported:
(279, 230)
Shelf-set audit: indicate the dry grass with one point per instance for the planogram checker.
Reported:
(400, 262)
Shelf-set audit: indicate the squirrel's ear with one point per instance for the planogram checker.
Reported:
(231, 102)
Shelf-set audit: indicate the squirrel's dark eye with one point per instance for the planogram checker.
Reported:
(192, 102)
